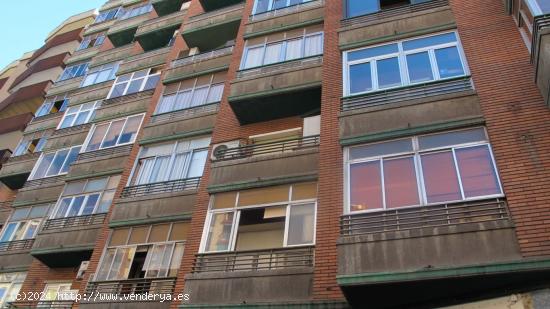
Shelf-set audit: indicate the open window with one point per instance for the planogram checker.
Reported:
(52, 105)
(31, 143)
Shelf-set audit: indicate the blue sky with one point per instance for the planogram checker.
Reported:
(24, 24)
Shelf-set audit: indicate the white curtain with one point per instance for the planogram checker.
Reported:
(215, 94)
(178, 168)
(166, 104)
(145, 171)
(199, 96)
(314, 45)
(273, 53)
(160, 169)
(254, 57)
(183, 100)
(294, 49)
(197, 164)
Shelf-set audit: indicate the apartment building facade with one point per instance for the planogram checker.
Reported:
(290, 154)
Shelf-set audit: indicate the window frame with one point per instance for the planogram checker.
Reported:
(69, 149)
(27, 225)
(92, 110)
(102, 16)
(93, 40)
(51, 103)
(78, 70)
(270, 6)
(144, 79)
(416, 154)
(402, 61)
(129, 12)
(113, 66)
(28, 140)
(110, 122)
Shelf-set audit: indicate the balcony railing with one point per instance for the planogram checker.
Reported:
(16, 245)
(43, 304)
(186, 113)
(44, 181)
(256, 260)
(275, 67)
(77, 128)
(287, 10)
(418, 91)
(267, 148)
(132, 286)
(60, 223)
(104, 152)
(5, 155)
(426, 216)
(202, 57)
(24, 157)
(393, 12)
(161, 187)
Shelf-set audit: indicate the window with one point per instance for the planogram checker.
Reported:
(77, 115)
(100, 74)
(10, 284)
(135, 82)
(87, 197)
(363, 7)
(173, 161)
(144, 252)
(264, 218)
(107, 15)
(192, 93)
(23, 223)
(52, 290)
(404, 63)
(423, 170)
(115, 133)
(136, 11)
(54, 163)
(273, 49)
(32, 143)
(52, 106)
(92, 41)
(73, 71)
(262, 6)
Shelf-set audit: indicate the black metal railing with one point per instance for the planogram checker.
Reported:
(128, 97)
(425, 216)
(186, 113)
(60, 223)
(393, 12)
(161, 187)
(44, 181)
(412, 92)
(267, 148)
(104, 152)
(43, 304)
(132, 286)
(295, 64)
(256, 260)
(16, 245)
(202, 56)
(78, 128)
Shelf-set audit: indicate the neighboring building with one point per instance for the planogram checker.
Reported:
(290, 154)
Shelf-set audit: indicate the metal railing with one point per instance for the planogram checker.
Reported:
(287, 10)
(132, 286)
(393, 12)
(104, 152)
(43, 304)
(202, 57)
(5, 155)
(78, 128)
(424, 216)
(27, 156)
(44, 181)
(412, 92)
(24, 244)
(256, 260)
(276, 67)
(161, 187)
(267, 148)
(221, 11)
(539, 24)
(186, 113)
(60, 223)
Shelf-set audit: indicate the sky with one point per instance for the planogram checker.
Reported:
(25, 24)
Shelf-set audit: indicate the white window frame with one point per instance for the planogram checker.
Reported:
(92, 131)
(195, 88)
(58, 286)
(237, 216)
(16, 281)
(270, 6)
(49, 103)
(113, 67)
(102, 16)
(76, 68)
(26, 141)
(282, 53)
(93, 40)
(135, 11)
(401, 57)
(33, 172)
(92, 110)
(28, 222)
(144, 80)
(416, 154)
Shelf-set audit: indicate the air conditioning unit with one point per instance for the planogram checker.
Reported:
(82, 269)
(218, 151)
(312, 126)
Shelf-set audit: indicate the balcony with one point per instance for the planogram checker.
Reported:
(16, 170)
(211, 5)
(91, 93)
(157, 33)
(100, 162)
(142, 61)
(209, 62)
(98, 27)
(195, 119)
(123, 31)
(294, 158)
(213, 29)
(373, 246)
(304, 13)
(112, 55)
(541, 54)
(125, 105)
(14, 255)
(251, 277)
(66, 242)
(83, 54)
(68, 137)
(174, 198)
(393, 22)
(273, 91)
(62, 87)
(43, 190)
(421, 107)
(166, 7)
(49, 121)
(43, 304)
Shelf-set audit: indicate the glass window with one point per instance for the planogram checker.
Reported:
(301, 224)
(135, 82)
(53, 164)
(78, 115)
(437, 168)
(219, 232)
(52, 106)
(427, 59)
(263, 6)
(107, 15)
(74, 71)
(361, 7)
(32, 143)
(115, 133)
(100, 74)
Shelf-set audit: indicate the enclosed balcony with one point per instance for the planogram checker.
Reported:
(16, 170)
(213, 29)
(158, 32)
(193, 65)
(109, 160)
(145, 60)
(112, 55)
(541, 54)
(211, 5)
(123, 31)
(166, 7)
(14, 255)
